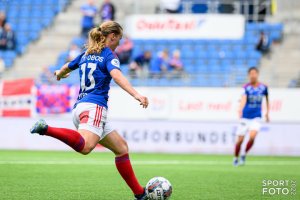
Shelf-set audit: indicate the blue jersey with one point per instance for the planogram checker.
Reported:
(253, 107)
(94, 72)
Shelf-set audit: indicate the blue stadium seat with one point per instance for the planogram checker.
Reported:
(199, 62)
(240, 54)
(252, 62)
(202, 69)
(238, 47)
(189, 69)
(225, 48)
(212, 47)
(239, 63)
(173, 47)
(9, 54)
(226, 55)
(199, 47)
(34, 35)
(213, 62)
(201, 54)
(22, 27)
(35, 27)
(37, 2)
(226, 69)
(27, 2)
(46, 21)
(13, 14)
(199, 8)
(37, 14)
(254, 55)
(209, 62)
(24, 14)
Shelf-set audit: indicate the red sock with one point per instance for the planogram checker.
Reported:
(249, 145)
(125, 169)
(237, 150)
(68, 136)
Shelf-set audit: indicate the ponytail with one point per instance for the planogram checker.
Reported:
(97, 36)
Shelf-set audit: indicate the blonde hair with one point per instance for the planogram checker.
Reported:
(98, 35)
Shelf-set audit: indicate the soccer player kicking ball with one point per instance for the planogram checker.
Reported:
(250, 113)
(97, 66)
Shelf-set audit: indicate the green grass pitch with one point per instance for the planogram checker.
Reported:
(67, 175)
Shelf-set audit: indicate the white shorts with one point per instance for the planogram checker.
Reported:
(247, 125)
(91, 117)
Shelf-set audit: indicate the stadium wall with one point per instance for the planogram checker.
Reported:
(181, 120)
(162, 136)
(200, 104)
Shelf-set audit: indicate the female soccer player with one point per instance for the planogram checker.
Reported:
(250, 112)
(97, 66)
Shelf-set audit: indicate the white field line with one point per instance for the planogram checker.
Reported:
(144, 162)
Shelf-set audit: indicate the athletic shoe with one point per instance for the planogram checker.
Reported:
(141, 196)
(235, 162)
(242, 160)
(40, 127)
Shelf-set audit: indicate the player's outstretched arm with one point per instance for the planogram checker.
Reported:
(64, 72)
(268, 108)
(242, 105)
(125, 85)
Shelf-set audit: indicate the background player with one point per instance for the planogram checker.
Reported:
(250, 112)
(97, 66)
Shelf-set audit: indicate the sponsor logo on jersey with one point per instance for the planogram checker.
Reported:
(115, 62)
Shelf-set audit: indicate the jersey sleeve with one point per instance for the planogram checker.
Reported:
(74, 64)
(266, 92)
(112, 62)
(245, 92)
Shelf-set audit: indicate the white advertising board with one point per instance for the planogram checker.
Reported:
(199, 104)
(162, 136)
(192, 26)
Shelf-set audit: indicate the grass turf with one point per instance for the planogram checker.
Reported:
(68, 175)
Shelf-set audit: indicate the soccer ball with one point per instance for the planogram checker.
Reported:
(159, 188)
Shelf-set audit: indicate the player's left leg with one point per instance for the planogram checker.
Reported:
(114, 142)
(70, 137)
(82, 141)
(252, 136)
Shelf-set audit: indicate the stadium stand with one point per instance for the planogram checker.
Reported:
(28, 18)
(207, 62)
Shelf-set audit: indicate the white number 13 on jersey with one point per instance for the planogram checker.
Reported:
(83, 67)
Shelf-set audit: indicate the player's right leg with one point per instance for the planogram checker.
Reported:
(114, 142)
(241, 131)
(252, 135)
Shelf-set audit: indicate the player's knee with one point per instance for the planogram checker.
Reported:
(239, 142)
(85, 152)
(87, 149)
